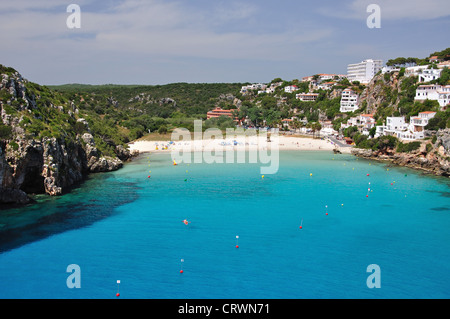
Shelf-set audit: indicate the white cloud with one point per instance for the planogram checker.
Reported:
(153, 28)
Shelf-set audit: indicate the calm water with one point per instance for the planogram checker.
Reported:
(123, 225)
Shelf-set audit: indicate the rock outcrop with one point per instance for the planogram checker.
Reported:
(30, 164)
(433, 159)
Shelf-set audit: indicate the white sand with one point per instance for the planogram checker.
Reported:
(238, 143)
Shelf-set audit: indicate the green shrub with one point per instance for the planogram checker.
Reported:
(162, 130)
(433, 139)
(14, 145)
(9, 109)
(5, 132)
(407, 147)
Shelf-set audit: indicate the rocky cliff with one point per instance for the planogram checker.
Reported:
(39, 149)
(431, 157)
(388, 93)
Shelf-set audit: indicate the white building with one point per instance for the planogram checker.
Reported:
(417, 125)
(418, 70)
(290, 88)
(415, 70)
(427, 92)
(444, 96)
(396, 126)
(255, 86)
(323, 76)
(349, 101)
(270, 90)
(386, 69)
(364, 122)
(394, 123)
(428, 75)
(393, 126)
(364, 71)
(326, 85)
(306, 97)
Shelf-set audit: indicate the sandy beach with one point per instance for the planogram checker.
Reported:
(239, 143)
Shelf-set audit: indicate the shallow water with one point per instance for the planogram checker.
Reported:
(124, 225)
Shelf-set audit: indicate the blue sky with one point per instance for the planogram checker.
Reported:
(165, 41)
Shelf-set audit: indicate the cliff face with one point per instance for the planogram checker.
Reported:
(432, 158)
(386, 91)
(43, 164)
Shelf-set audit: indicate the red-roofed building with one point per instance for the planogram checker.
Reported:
(218, 112)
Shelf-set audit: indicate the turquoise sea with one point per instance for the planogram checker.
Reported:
(125, 226)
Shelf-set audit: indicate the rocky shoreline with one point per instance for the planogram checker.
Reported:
(52, 167)
(430, 165)
(435, 160)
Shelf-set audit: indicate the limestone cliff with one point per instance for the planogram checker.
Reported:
(431, 157)
(39, 151)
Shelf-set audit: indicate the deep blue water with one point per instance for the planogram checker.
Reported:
(125, 226)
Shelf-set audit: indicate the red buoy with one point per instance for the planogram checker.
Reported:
(300, 227)
(181, 271)
(237, 246)
(148, 176)
(326, 214)
(368, 175)
(117, 294)
(367, 195)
